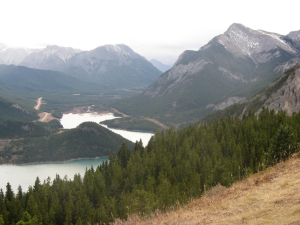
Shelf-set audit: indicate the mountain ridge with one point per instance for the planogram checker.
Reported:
(116, 66)
(237, 63)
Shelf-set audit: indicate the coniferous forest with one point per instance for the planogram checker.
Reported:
(173, 168)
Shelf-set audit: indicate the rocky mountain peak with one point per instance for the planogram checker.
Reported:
(10, 55)
(111, 52)
(50, 57)
(119, 49)
(55, 49)
(245, 42)
(294, 35)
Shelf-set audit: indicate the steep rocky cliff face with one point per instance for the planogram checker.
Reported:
(282, 94)
(287, 98)
(231, 67)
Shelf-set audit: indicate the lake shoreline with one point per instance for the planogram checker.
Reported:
(52, 162)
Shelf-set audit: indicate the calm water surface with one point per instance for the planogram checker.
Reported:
(25, 175)
(71, 120)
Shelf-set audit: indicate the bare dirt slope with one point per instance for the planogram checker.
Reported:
(46, 117)
(38, 103)
(269, 197)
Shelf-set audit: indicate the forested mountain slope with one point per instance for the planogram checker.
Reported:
(9, 110)
(269, 197)
(175, 167)
(36, 144)
(24, 80)
(230, 68)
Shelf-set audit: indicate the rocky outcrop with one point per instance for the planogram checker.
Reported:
(287, 98)
(226, 103)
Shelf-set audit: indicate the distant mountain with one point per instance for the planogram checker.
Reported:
(23, 80)
(52, 57)
(15, 56)
(117, 66)
(162, 67)
(231, 67)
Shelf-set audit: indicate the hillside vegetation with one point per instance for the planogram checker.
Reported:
(36, 144)
(9, 110)
(21, 85)
(268, 197)
(174, 168)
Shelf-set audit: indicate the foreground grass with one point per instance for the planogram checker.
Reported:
(268, 197)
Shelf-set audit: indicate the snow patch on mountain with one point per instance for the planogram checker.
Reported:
(117, 49)
(245, 42)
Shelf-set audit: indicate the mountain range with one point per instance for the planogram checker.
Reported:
(15, 56)
(228, 69)
(116, 66)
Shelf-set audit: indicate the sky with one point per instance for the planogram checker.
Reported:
(155, 29)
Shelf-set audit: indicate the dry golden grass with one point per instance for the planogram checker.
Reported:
(269, 197)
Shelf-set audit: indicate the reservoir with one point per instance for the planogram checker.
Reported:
(25, 175)
(71, 120)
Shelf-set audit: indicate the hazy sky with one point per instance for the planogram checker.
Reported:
(155, 29)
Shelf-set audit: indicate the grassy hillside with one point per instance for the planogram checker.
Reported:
(268, 197)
